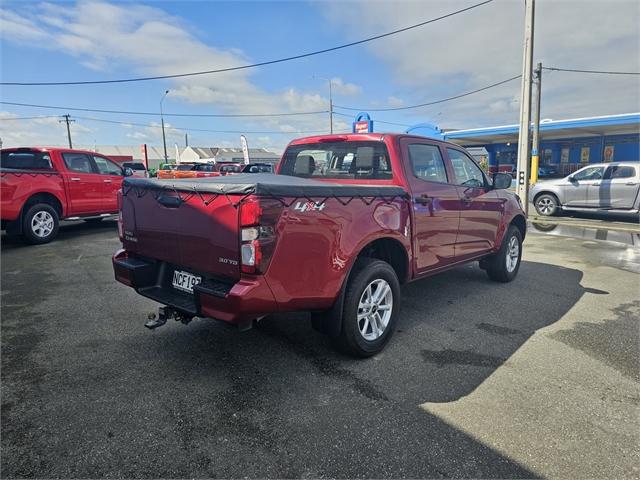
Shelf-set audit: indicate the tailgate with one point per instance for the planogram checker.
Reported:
(197, 232)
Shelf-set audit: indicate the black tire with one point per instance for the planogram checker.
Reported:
(40, 224)
(93, 220)
(496, 265)
(546, 205)
(377, 274)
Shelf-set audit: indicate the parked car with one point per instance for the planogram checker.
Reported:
(345, 222)
(139, 170)
(547, 171)
(41, 186)
(166, 170)
(196, 170)
(611, 188)
(228, 168)
(258, 168)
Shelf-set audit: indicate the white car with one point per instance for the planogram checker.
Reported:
(604, 188)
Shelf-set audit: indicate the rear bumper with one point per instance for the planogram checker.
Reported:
(239, 302)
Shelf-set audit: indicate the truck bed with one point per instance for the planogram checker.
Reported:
(264, 185)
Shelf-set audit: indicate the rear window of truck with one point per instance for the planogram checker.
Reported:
(347, 160)
(26, 160)
(134, 165)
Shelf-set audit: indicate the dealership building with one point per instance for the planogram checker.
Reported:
(567, 145)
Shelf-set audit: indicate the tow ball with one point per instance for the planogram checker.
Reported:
(164, 314)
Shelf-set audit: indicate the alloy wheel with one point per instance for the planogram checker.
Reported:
(375, 309)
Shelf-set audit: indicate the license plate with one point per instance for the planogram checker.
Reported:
(185, 281)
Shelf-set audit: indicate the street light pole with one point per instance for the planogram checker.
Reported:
(164, 139)
(522, 184)
(330, 108)
(330, 100)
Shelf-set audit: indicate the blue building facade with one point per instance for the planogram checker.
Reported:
(567, 145)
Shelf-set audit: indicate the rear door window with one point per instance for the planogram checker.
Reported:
(619, 171)
(134, 165)
(78, 162)
(347, 160)
(26, 160)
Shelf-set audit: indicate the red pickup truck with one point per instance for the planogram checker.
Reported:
(41, 186)
(345, 222)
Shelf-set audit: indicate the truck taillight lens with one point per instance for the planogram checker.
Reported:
(257, 234)
(120, 225)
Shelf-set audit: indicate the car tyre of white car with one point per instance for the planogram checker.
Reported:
(546, 204)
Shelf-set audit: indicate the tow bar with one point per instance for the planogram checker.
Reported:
(164, 314)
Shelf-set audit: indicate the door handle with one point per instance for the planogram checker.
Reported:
(74, 179)
(424, 199)
(466, 200)
(107, 181)
(631, 183)
(595, 184)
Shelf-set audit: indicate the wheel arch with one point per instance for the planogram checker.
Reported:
(547, 192)
(520, 223)
(389, 250)
(44, 197)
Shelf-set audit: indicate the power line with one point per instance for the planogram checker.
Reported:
(194, 129)
(574, 70)
(435, 102)
(253, 65)
(155, 114)
(29, 118)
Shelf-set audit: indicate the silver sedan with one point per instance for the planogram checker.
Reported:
(604, 188)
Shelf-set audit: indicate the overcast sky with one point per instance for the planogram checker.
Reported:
(59, 41)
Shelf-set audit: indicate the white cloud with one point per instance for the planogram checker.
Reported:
(148, 41)
(394, 102)
(342, 88)
(484, 46)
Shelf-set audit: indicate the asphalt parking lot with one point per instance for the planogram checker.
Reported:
(536, 378)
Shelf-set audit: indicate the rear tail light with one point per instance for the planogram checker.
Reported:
(120, 225)
(257, 234)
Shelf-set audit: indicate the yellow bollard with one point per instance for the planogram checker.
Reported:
(534, 170)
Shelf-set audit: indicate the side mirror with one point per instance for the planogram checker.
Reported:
(501, 181)
(571, 178)
(127, 172)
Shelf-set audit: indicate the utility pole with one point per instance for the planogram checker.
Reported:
(522, 184)
(68, 121)
(164, 139)
(535, 148)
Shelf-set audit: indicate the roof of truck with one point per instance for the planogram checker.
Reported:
(355, 137)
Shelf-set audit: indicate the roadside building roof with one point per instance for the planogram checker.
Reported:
(627, 123)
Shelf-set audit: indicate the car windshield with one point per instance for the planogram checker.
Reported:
(184, 167)
(348, 160)
(26, 160)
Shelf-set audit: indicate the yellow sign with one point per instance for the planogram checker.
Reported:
(584, 155)
(608, 153)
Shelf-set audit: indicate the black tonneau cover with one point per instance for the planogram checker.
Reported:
(264, 184)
